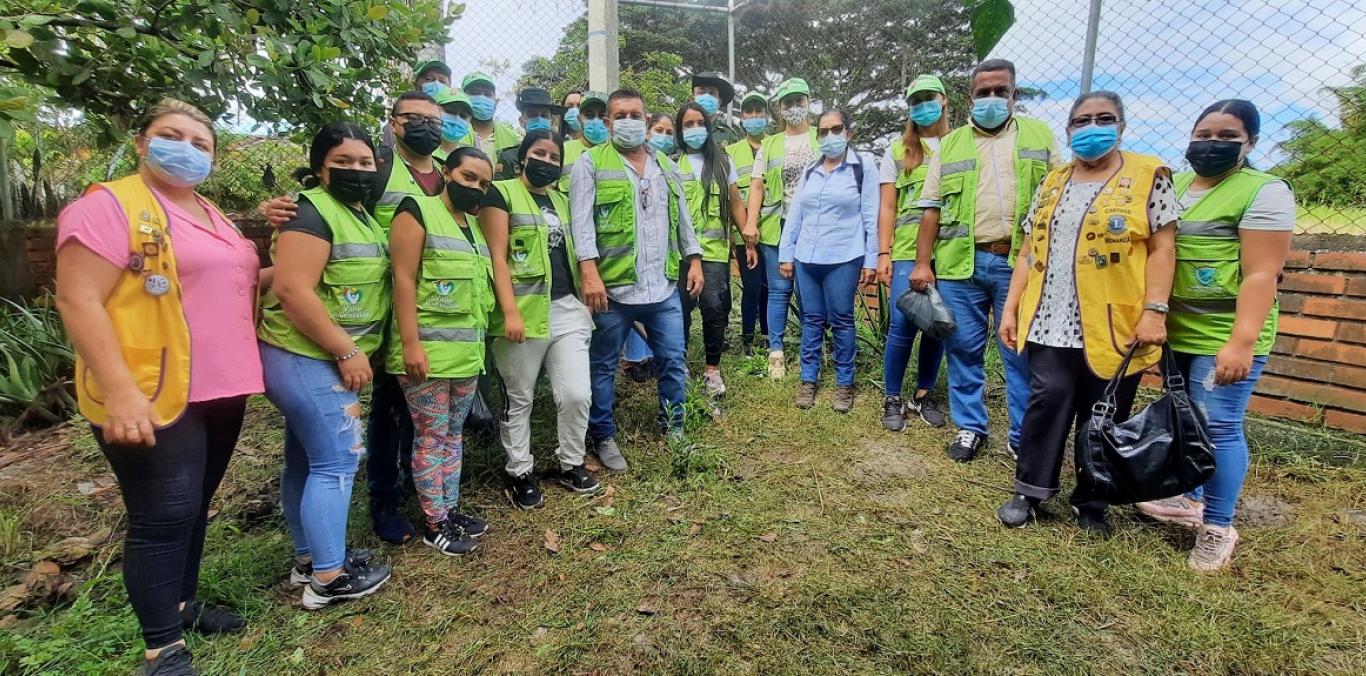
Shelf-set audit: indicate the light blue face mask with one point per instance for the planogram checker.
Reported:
(178, 162)
(1093, 141)
(628, 133)
(754, 126)
(433, 88)
(926, 113)
(990, 112)
(571, 119)
(695, 137)
(595, 130)
(664, 143)
(453, 127)
(833, 145)
(483, 107)
(538, 124)
(708, 102)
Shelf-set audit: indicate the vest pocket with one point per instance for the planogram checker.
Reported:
(526, 255)
(353, 291)
(610, 198)
(448, 286)
(951, 200)
(1207, 268)
(147, 365)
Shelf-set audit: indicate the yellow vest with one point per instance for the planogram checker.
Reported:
(151, 329)
(1111, 259)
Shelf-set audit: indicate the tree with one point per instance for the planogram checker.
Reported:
(1325, 165)
(277, 62)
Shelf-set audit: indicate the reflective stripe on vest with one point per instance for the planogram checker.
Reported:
(906, 226)
(528, 256)
(770, 215)
(710, 227)
(614, 216)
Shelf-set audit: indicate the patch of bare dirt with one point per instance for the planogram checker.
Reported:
(883, 461)
(1265, 511)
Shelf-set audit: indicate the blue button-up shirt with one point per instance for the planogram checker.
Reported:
(831, 220)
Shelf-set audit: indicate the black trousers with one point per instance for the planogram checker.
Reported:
(753, 296)
(1062, 390)
(715, 304)
(389, 442)
(166, 490)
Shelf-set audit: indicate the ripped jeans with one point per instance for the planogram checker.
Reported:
(324, 442)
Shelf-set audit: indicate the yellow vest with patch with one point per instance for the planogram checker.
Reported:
(1110, 266)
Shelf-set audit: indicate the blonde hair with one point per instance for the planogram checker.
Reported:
(170, 106)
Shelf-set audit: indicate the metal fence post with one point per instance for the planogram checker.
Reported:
(603, 67)
(1088, 59)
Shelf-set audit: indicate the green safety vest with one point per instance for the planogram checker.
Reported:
(742, 154)
(454, 296)
(710, 227)
(573, 148)
(354, 286)
(528, 256)
(906, 227)
(504, 136)
(771, 214)
(614, 216)
(953, 252)
(401, 184)
(1209, 273)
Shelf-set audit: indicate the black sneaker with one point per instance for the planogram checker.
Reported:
(302, 573)
(390, 524)
(353, 583)
(524, 491)
(641, 371)
(210, 619)
(578, 479)
(450, 539)
(1093, 522)
(473, 525)
(171, 661)
(1016, 512)
(966, 446)
(893, 414)
(929, 411)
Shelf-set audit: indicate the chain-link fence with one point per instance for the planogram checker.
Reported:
(1302, 62)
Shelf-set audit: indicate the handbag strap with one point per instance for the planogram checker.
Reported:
(1172, 380)
(1105, 408)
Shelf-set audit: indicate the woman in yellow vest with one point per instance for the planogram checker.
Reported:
(902, 174)
(442, 297)
(539, 323)
(320, 325)
(157, 290)
(1095, 279)
(1231, 244)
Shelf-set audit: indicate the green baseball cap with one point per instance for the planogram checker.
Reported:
(448, 96)
(926, 83)
(424, 66)
(477, 76)
(790, 86)
(595, 97)
(753, 96)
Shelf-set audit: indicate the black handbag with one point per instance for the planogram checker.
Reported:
(1159, 452)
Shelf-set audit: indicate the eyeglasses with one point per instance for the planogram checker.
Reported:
(417, 117)
(645, 198)
(837, 129)
(1103, 119)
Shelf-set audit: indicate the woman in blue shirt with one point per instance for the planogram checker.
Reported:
(831, 235)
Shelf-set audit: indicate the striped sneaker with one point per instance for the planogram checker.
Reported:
(450, 539)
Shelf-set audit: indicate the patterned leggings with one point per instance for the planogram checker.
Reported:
(439, 407)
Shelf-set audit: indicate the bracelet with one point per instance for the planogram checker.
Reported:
(884, 253)
(354, 351)
(1159, 308)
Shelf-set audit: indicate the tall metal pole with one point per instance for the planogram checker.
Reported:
(1088, 63)
(603, 66)
(730, 37)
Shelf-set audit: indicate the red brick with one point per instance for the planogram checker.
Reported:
(1336, 308)
(1302, 369)
(1351, 332)
(1326, 394)
(1350, 376)
(1280, 408)
(1285, 345)
(1340, 260)
(1299, 259)
(1342, 353)
(1151, 381)
(1356, 285)
(1291, 303)
(1346, 420)
(1310, 328)
(1308, 282)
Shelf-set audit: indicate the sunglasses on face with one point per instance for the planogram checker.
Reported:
(837, 130)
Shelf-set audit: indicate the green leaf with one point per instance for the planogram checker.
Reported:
(33, 20)
(338, 103)
(252, 16)
(377, 13)
(6, 129)
(126, 32)
(456, 10)
(18, 39)
(990, 21)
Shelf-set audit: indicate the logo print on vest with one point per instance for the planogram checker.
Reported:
(1204, 276)
(444, 287)
(519, 256)
(1116, 224)
(351, 295)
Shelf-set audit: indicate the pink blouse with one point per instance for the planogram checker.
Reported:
(218, 270)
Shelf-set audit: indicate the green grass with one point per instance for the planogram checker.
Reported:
(787, 542)
(1318, 219)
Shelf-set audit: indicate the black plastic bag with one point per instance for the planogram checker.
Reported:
(928, 312)
(1162, 451)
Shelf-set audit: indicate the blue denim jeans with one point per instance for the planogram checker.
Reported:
(637, 350)
(324, 442)
(663, 322)
(1225, 407)
(901, 336)
(972, 300)
(779, 297)
(828, 301)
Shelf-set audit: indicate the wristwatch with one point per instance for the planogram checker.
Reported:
(1159, 308)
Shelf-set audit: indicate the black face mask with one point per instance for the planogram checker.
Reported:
(1213, 158)
(540, 173)
(463, 197)
(350, 186)
(421, 137)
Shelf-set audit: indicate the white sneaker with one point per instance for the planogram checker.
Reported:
(777, 365)
(1213, 548)
(711, 379)
(1179, 510)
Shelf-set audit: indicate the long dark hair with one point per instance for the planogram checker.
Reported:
(540, 135)
(457, 157)
(715, 169)
(327, 138)
(1246, 113)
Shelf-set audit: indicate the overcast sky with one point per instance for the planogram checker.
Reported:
(1167, 58)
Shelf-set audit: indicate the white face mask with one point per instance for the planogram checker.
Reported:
(796, 115)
